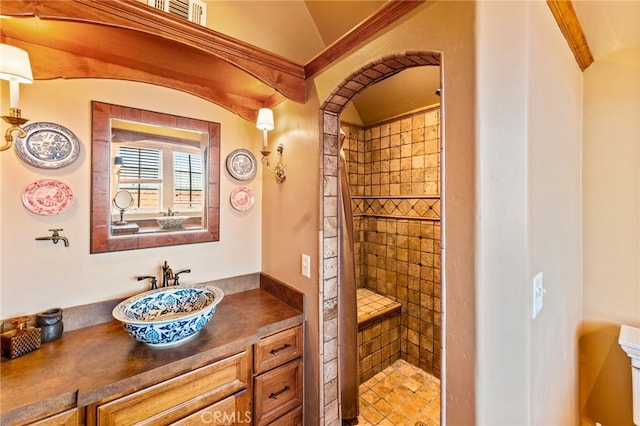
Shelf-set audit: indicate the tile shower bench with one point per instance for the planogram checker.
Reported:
(378, 332)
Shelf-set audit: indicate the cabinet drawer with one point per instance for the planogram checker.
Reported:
(234, 410)
(292, 418)
(180, 396)
(277, 349)
(278, 391)
(66, 418)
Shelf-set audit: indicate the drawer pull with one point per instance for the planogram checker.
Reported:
(275, 395)
(275, 351)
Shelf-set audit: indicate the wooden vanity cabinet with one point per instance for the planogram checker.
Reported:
(218, 393)
(278, 379)
(233, 374)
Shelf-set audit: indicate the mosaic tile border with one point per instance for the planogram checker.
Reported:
(423, 208)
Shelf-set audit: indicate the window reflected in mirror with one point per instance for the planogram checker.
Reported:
(162, 168)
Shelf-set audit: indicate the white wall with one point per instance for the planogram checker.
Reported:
(611, 232)
(612, 189)
(529, 212)
(38, 275)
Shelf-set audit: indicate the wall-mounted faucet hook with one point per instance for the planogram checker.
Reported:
(55, 237)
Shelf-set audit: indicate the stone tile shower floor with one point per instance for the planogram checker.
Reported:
(400, 395)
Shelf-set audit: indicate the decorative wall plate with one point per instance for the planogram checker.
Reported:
(47, 197)
(242, 164)
(48, 145)
(241, 199)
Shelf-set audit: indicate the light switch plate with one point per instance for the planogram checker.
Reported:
(537, 295)
(306, 265)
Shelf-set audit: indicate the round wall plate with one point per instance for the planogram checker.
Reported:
(47, 197)
(48, 145)
(241, 199)
(242, 164)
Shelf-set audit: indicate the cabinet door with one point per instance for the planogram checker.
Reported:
(234, 410)
(277, 392)
(180, 396)
(66, 418)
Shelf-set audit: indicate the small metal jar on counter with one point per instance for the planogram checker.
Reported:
(50, 322)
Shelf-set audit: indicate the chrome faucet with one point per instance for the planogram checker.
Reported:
(55, 237)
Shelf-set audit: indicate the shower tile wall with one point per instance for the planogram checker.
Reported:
(394, 179)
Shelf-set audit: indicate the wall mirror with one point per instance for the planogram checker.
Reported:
(155, 179)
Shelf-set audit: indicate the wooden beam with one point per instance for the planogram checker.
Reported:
(281, 74)
(567, 20)
(388, 14)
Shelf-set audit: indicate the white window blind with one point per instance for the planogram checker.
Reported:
(188, 183)
(141, 175)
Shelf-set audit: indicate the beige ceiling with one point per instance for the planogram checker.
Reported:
(610, 26)
(300, 29)
(295, 29)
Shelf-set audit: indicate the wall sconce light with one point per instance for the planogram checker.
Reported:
(118, 162)
(265, 123)
(14, 67)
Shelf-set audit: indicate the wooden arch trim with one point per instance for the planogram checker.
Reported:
(119, 39)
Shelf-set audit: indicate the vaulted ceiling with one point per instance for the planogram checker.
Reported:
(301, 29)
(610, 26)
(261, 50)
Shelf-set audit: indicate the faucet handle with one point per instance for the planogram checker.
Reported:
(56, 232)
(176, 275)
(154, 280)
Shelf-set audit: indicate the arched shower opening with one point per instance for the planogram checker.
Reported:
(338, 312)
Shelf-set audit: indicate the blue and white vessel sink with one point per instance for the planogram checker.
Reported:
(171, 222)
(168, 316)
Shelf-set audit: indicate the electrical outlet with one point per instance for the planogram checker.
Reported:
(537, 295)
(306, 265)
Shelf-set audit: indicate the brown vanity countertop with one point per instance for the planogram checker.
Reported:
(87, 365)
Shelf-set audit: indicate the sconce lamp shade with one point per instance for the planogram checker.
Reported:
(14, 64)
(265, 119)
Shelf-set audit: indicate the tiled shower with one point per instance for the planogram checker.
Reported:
(394, 178)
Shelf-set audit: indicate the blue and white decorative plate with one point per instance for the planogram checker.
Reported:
(48, 145)
(242, 164)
